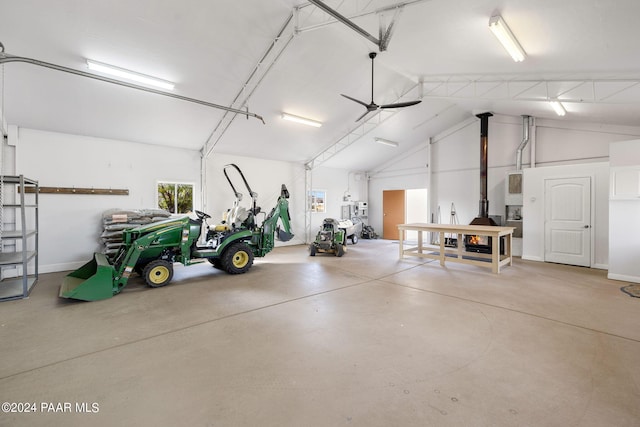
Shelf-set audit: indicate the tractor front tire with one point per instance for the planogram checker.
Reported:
(312, 250)
(237, 258)
(216, 263)
(340, 250)
(158, 273)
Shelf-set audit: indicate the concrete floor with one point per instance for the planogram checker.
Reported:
(363, 340)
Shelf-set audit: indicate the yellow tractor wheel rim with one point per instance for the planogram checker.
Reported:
(159, 274)
(240, 259)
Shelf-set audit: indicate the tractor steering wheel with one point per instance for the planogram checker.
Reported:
(202, 215)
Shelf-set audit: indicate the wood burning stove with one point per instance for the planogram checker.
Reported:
(479, 244)
(482, 244)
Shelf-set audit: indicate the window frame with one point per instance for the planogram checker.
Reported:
(175, 191)
(312, 205)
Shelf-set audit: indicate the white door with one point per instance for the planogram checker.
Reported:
(567, 229)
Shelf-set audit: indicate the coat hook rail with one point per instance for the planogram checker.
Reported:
(78, 190)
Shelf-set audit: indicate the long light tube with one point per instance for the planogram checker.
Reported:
(558, 107)
(385, 142)
(303, 120)
(502, 32)
(129, 75)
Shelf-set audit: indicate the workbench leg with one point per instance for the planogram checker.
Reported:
(460, 245)
(442, 248)
(400, 239)
(419, 241)
(495, 254)
(508, 249)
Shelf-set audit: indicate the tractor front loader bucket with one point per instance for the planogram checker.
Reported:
(91, 282)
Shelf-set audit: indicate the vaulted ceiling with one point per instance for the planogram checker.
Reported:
(269, 57)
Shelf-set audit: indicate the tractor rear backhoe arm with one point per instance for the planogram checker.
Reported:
(270, 225)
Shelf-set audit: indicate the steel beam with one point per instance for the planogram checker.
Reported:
(346, 21)
(6, 58)
(593, 90)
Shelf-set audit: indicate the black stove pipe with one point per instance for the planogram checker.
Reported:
(484, 160)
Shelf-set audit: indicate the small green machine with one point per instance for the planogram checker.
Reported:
(151, 250)
(330, 239)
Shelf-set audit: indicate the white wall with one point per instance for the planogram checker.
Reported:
(454, 168)
(70, 225)
(337, 183)
(448, 167)
(534, 208)
(624, 214)
(417, 209)
(265, 177)
(406, 171)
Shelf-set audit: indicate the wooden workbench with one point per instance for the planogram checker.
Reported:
(495, 260)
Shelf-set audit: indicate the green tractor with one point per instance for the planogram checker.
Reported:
(151, 250)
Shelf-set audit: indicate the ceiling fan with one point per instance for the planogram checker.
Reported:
(372, 106)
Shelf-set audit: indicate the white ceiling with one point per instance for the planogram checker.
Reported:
(585, 52)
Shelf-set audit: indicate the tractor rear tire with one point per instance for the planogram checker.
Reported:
(237, 258)
(354, 239)
(158, 273)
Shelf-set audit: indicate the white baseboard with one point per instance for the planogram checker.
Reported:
(539, 259)
(623, 277)
(54, 268)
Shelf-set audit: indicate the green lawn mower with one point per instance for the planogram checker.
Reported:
(151, 250)
(330, 239)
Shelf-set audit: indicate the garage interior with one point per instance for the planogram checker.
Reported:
(367, 338)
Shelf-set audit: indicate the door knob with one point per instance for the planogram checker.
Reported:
(586, 226)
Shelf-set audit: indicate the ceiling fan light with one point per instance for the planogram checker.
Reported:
(303, 120)
(385, 142)
(558, 107)
(501, 30)
(121, 73)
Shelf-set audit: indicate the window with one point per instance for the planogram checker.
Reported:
(175, 197)
(317, 201)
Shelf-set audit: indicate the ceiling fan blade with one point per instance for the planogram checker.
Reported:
(362, 116)
(401, 104)
(355, 100)
(372, 106)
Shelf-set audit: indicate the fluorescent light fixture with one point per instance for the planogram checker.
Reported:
(502, 32)
(558, 107)
(302, 120)
(129, 75)
(385, 142)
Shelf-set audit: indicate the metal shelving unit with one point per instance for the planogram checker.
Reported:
(19, 250)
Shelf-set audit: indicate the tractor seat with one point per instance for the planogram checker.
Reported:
(232, 218)
(326, 236)
(220, 227)
(237, 215)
